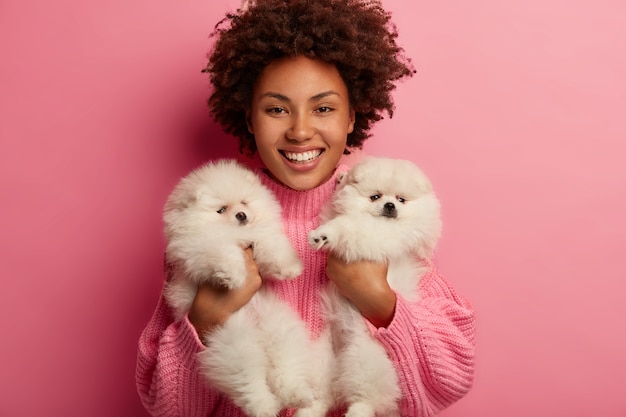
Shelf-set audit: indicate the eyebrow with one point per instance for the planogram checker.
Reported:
(316, 97)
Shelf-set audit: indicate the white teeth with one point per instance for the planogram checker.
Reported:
(302, 156)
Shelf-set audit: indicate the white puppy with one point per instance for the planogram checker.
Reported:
(384, 210)
(259, 356)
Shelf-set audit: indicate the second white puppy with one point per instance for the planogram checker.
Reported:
(384, 210)
(258, 357)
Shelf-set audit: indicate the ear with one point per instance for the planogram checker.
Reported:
(351, 120)
(181, 199)
(249, 122)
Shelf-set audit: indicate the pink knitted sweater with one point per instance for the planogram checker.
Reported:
(430, 342)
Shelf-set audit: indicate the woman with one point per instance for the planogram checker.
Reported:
(301, 82)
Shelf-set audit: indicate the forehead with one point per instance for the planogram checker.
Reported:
(300, 78)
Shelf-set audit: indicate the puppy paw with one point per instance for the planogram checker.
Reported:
(230, 280)
(290, 269)
(317, 239)
(230, 271)
(280, 267)
(277, 259)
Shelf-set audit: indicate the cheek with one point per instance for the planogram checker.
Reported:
(264, 139)
(363, 205)
(336, 137)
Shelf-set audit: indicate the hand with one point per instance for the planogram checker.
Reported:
(365, 284)
(214, 305)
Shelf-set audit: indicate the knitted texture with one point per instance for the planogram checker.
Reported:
(431, 342)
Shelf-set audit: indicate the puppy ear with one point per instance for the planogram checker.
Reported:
(187, 198)
(180, 199)
(356, 177)
(359, 172)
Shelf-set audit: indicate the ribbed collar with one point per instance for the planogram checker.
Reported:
(301, 204)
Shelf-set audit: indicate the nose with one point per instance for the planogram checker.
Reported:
(389, 210)
(241, 216)
(301, 128)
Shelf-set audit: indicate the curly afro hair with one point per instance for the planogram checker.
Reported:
(357, 36)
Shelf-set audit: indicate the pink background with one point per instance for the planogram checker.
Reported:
(517, 113)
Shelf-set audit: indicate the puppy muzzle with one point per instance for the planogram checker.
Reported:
(389, 210)
(242, 218)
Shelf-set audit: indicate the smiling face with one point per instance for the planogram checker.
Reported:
(300, 116)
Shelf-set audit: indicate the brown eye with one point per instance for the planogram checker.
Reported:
(400, 199)
(276, 110)
(222, 210)
(375, 197)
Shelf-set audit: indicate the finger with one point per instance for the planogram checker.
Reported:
(245, 246)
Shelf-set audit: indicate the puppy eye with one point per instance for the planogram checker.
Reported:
(375, 197)
(222, 210)
(400, 199)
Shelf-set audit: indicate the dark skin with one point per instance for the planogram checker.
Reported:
(212, 306)
(364, 283)
(299, 106)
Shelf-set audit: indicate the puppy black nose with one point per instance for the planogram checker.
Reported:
(389, 210)
(241, 216)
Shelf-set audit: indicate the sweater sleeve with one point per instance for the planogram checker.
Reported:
(432, 346)
(167, 378)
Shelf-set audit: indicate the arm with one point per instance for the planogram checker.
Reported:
(167, 378)
(365, 284)
(431, 342)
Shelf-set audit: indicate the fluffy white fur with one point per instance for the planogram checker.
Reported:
(260, 357)
(384, 210)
